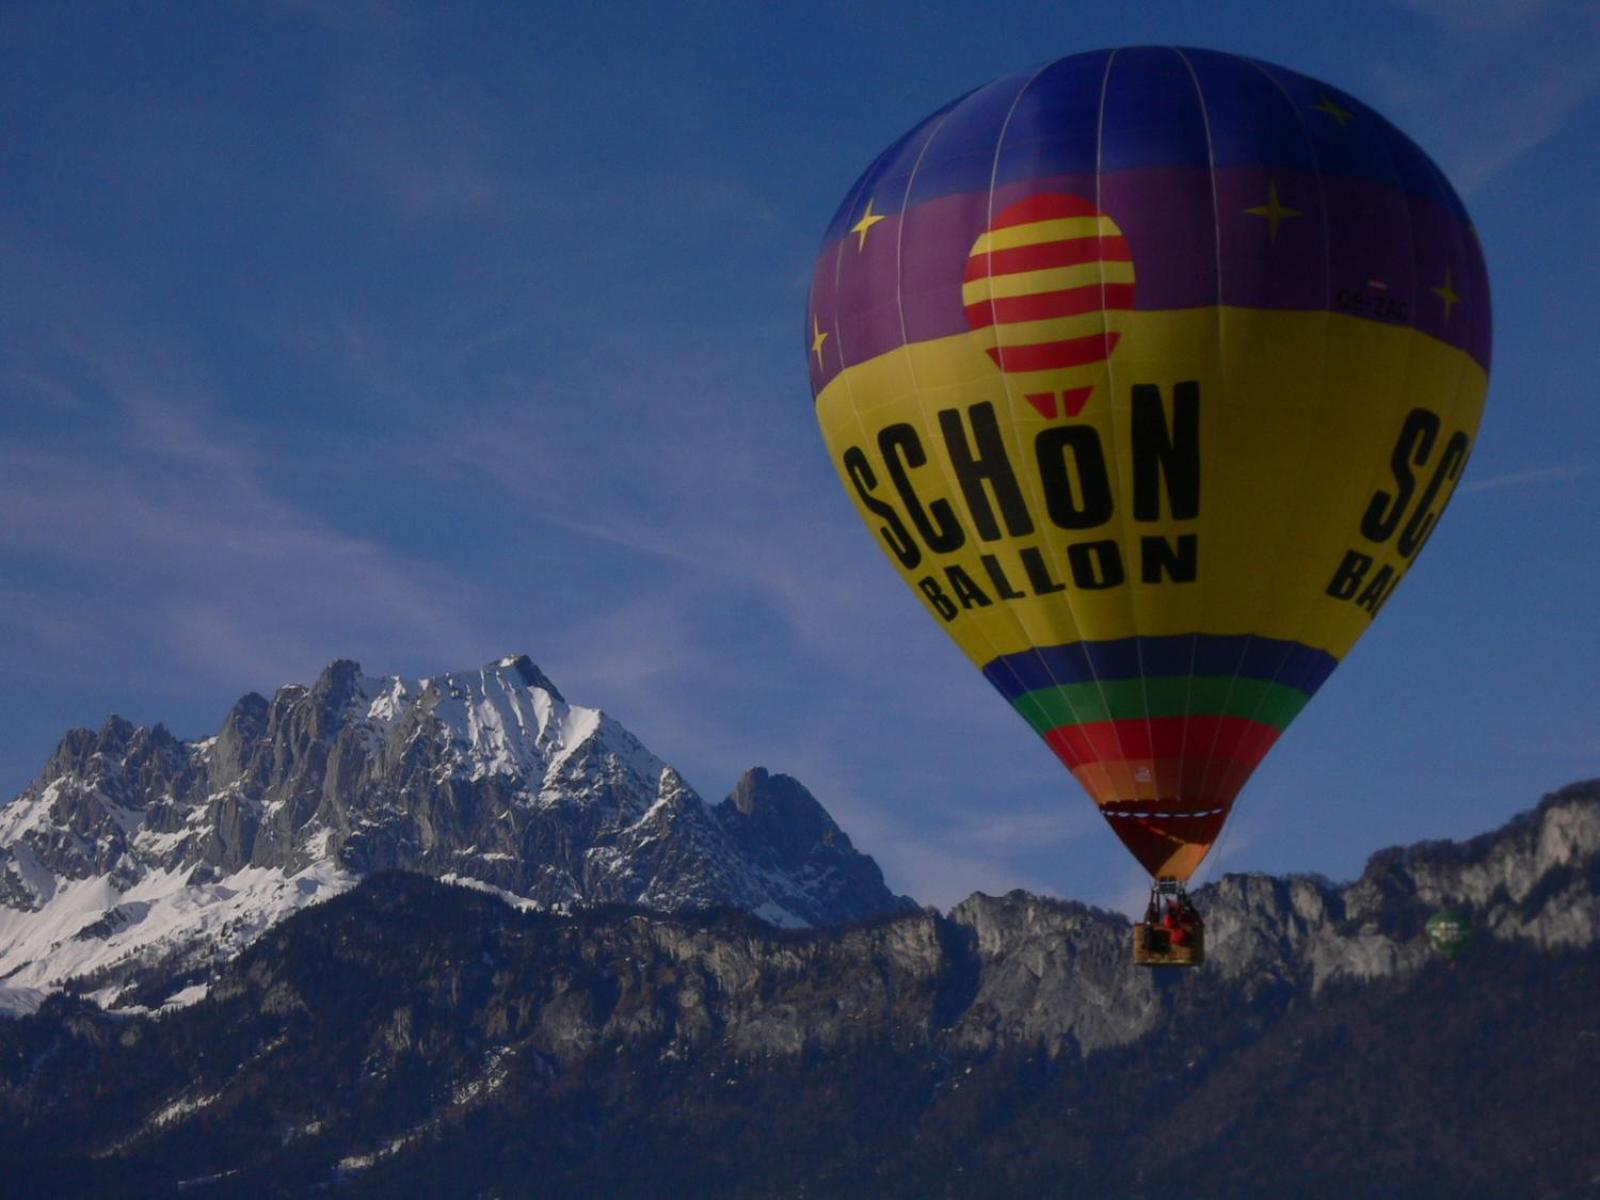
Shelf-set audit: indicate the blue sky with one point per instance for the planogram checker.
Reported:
(423, 334)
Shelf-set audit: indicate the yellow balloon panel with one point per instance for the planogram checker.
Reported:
(1297, 422)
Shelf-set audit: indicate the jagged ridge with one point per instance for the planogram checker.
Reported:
(407, 1039)
(137, 852)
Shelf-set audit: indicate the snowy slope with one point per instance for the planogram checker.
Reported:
(137, 862)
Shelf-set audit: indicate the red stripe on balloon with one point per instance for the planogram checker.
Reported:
(1041, 306)
(1048, 356)
(1237, 738)
(1043, 255)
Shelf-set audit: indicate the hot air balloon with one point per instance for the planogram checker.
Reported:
(1449, 932)
(1151, 372)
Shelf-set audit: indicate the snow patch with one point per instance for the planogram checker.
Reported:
(521, 903)
(44, 949)
(182, 1107)
(390, 698)
(775, 914)
(26, 813)
(184, 997)
(352, 1163)
(20, 1001)
(25, 865)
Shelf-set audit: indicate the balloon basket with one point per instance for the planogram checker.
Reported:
(1172, 933)
(1152, 947)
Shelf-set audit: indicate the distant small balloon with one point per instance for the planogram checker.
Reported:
(1450, 932)
(1152, 371)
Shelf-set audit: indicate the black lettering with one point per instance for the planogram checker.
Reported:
(1412, 448)
(1095, 565)
(1092, 503)
(893, 530)
(1039, 577)
(968, 592)
(1178, 562)
(902, 448)
(997, 576)
(1160, 452)
(989, 465)
(942, 604)
(1373, 595)
(1347, 578)
(1421, 525)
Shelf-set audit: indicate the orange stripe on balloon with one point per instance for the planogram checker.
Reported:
(1196, 783)
(1194, 775)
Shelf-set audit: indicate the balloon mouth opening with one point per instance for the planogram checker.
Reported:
(1159, 810)
(1144, 812)
(1168, 838)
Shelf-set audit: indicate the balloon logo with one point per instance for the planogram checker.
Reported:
(1045, 288)
(1155, 513)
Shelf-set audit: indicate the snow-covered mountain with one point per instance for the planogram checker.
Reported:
(409, 1039)
(137, 853)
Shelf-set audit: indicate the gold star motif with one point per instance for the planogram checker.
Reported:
(1447, 292)
(861, 227)
(1273, 211)
(818, 336)
(1341, 115)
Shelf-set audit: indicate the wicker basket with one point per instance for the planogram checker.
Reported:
(1152, 947)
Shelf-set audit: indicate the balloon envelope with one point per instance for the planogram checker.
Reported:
(1151, 371)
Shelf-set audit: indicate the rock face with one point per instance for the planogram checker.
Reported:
(1534, 881)
(135, 851)
(414, 1039)
(1056, 974)
(785, 834)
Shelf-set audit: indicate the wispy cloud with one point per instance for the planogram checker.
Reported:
(1500, 78)
(1025, 830)
(151, 535)
(1130, 894)
(574, 160)
(35, 388)
(934, 862)
(207, 571)
(423, 147)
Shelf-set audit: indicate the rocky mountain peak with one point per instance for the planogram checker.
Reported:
(79, 747)
(530, 675)
(672, 790)
(780, 826)
(485, 775)
(777, 811)
(338, 690)
(744, 796)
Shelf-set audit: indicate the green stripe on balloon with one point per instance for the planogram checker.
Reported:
(1273, 704)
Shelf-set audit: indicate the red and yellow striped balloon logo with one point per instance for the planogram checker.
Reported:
(1047, 288)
